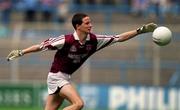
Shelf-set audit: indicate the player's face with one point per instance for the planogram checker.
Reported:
(86, 25)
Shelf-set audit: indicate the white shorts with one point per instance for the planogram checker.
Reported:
(57, 80)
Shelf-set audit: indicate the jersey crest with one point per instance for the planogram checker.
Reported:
(73, 48)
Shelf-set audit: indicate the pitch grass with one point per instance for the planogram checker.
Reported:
(17, 108)
(24, 108)
(11, 108)
(35, 108)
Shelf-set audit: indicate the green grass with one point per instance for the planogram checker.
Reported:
(22, 108)
(16, 108)
(34, 108)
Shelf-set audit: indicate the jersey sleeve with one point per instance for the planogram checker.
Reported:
(53, 43)
(106, 40)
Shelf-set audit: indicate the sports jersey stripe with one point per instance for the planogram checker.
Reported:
(107, 43)
(102, 37)
(52, 41)
(55, 40)
(115, 37)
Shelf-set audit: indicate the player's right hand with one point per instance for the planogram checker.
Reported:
(14, 54)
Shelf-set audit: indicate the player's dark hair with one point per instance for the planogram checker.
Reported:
(77, 19)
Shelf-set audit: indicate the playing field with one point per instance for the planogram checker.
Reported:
(11, 108)
(22, 108)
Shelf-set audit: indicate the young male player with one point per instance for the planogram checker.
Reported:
(72, 50)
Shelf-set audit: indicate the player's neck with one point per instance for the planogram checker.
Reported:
(82, 36)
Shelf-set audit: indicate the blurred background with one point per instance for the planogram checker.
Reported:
(132, 75)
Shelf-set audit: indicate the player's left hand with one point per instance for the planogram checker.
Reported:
(14, 54)
(147, 28)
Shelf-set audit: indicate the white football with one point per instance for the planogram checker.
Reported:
(162, 36)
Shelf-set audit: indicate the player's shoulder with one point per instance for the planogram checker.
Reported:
(69, 38)
(93, 35)
(68, 35)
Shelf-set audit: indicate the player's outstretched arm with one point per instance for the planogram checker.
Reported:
(17, 53)
(130, 34)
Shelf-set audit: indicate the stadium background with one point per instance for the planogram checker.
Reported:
(132, 75)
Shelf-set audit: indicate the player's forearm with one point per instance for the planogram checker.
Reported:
(34, 48)
(144, 29)
(127, 35)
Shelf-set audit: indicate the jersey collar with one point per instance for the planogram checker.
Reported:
(77, 38)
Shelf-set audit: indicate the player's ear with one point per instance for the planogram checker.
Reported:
(77, 26)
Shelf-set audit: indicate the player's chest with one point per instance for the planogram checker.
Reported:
(78, 52)
(82, 48)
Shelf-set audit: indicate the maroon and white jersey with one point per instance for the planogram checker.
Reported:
(71, 54)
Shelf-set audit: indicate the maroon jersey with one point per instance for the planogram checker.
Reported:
(71, 54)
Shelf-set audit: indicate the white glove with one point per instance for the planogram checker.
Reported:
(14, 54)
(147, 28)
